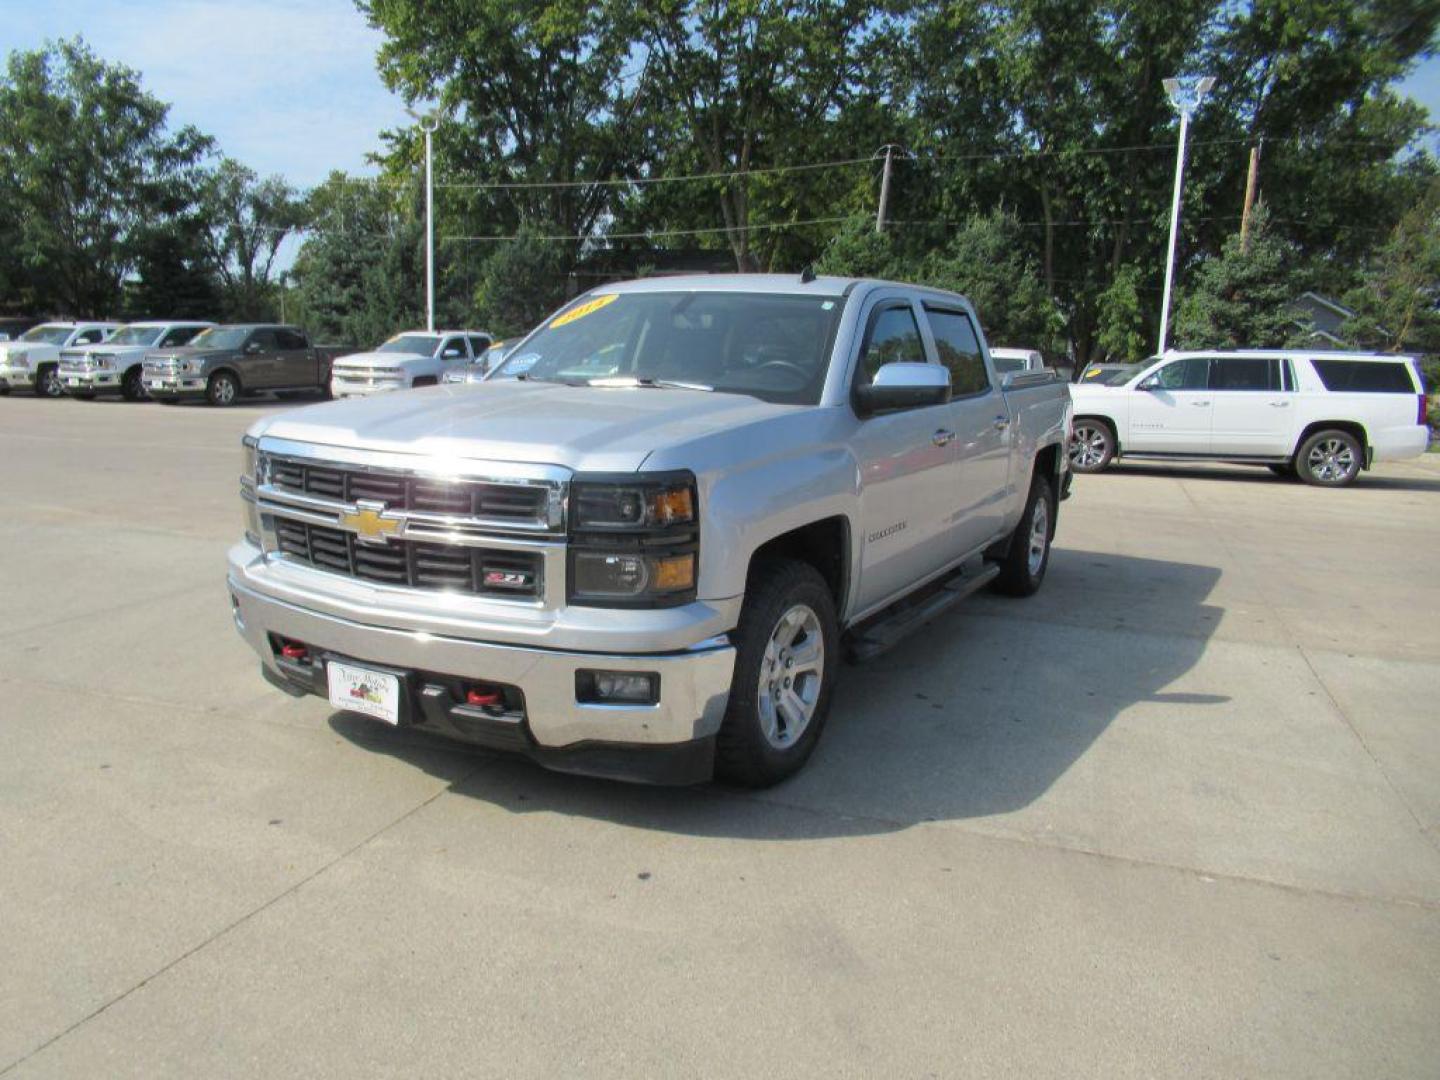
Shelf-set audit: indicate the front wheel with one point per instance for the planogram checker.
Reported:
(47, 381)
(131, 388)
(1092, 445)
(1329, 458)
(222, 390)
(1027, 555)
(787, 648)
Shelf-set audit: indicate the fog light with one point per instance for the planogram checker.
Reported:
(617, 687)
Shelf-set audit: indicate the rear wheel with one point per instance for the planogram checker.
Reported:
(223, 389)
(787, 648)
(1092, 445)
(131, 388)
(1022, 568)
(47, 381)
(1329, 458)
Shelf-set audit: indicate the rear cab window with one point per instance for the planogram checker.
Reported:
(959, 349)
(1366, 376)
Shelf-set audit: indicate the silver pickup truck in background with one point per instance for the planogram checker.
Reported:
(642, 554)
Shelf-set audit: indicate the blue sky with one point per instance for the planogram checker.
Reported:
(285, 86)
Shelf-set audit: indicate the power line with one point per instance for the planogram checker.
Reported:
(655, 232)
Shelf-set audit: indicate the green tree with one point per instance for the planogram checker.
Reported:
(986, 261)
(360, 275)
(247, 220)
(172, 276)
(521, 282)
(1122, 332)
(1242, 298)
(87, 165)
(1397, 306)
(858, 250)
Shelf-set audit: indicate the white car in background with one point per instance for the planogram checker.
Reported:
(114, 365)
(1323, 416)
(412, 358)
(481, 368)
(32, 361)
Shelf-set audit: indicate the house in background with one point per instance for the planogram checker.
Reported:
(1322, 317)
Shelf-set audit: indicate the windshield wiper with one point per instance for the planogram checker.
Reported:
(638, 380)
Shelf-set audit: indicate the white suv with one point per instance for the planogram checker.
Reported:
(1323, 416)
(412, 358)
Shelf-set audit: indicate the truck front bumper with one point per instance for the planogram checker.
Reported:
(670, 741)
(17, 378)
(174, 386)
(88, 381)
(341, 387)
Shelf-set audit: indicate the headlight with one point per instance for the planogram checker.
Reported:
(249, 449)
(634, 540)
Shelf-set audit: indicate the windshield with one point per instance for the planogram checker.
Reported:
(413, 344)
(50, 335)
(221, 337)
(1112, 376)
(136, 335)
(767, 345)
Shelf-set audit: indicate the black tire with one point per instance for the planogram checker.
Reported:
(752, 749)
(1092, 445)
(47, 381)
(1022, 567)
(131, 387)
(1330, 458)
(223, 390)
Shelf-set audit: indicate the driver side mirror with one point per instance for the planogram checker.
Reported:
(253, 347)
(903, 385)
(451, 353)
(1149, 385)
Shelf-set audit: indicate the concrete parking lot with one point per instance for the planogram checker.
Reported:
(1177, 815)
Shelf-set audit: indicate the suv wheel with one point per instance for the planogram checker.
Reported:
(1329, 458)
(47, 381)
(222, 390)
(1092, 445)
(787, 648)
(131, 388)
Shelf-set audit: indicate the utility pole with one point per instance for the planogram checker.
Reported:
(889, 149)
(1185, 95)
(1251, 178)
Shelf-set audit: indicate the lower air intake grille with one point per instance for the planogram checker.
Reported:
(411, 563)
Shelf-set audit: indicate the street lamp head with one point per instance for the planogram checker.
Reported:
(1188, 91)
(429, 120)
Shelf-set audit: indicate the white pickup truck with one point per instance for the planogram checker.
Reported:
(115, 365)
(32, 362)
(1323, 416)
(643, 555)
(414, 358)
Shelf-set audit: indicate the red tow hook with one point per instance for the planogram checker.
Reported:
(293, 650)
(484, 696)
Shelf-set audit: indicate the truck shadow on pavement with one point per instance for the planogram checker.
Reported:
(978, 714)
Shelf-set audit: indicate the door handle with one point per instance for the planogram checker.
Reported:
(942, 437)
(1199, 404)
(1279, 404)
(1001, 423)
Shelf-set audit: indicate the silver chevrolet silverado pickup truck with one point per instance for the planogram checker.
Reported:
(641, 549)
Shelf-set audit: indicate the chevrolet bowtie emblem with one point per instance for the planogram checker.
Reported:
(368, 522)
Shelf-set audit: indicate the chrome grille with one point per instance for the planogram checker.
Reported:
(512, 574)
(522, 504)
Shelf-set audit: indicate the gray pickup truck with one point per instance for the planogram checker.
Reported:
(224, 362)
(641, 549)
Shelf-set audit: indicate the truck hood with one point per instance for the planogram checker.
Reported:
(382, 359)
(187, 350)
(594, 429)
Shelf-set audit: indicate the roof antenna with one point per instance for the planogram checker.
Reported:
(808, 274)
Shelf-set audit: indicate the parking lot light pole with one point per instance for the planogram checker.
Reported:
(428, 123)
(1185, 94)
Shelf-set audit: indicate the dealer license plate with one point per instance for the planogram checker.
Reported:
(361, 690)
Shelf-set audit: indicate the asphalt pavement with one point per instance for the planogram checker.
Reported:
(1177, 815)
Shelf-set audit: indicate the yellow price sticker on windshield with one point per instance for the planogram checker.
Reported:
(587, 308)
